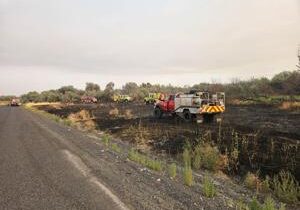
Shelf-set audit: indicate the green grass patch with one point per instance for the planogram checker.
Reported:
(145, 161)
(188, 176)
(186, 156)
(254, 204)
(209, 189)
(286, 188)
(197, 159)
(115, 148)
(106, 139)
(172, 170)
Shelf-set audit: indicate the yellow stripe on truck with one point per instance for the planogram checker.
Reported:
(212, 109)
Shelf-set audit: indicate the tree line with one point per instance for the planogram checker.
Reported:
(284, 83)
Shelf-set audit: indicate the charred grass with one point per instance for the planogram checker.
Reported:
(235, 148)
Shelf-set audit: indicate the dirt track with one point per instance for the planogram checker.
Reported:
(272, 135)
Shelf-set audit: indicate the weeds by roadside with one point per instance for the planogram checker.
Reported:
(172, 170)
(144, 160)
(115, 148)
(188, 176)
(186, 156)
(254, 204)
(286, 188)
(209, 188)
(106, 139)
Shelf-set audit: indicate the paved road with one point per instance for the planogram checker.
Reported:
(41, 169)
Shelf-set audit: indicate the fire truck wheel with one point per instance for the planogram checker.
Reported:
(158, 113)
(187, 116)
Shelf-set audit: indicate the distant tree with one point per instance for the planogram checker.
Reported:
(108, 92)
(65, 89)
(6, 98)
(32, 96)
(70, 96)
(132, 89)
(278, 81)
(50, 96)
(92, 87)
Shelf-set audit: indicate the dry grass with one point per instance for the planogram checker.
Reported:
(83, 120)
(252, 181)
(56, 105)
(114, 112)
(4, 103)
(128, 114)
(138, 135)
(290, 106)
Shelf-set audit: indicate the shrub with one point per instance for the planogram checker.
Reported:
(286, 188)
(188, 176)
(252, 181)
(172, 170)
(209, 188)
(209, 156)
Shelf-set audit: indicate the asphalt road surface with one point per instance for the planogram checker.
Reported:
(40, 167)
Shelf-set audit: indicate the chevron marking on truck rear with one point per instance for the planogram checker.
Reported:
(213, 109)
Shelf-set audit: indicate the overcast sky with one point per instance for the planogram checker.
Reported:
(45, 44)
